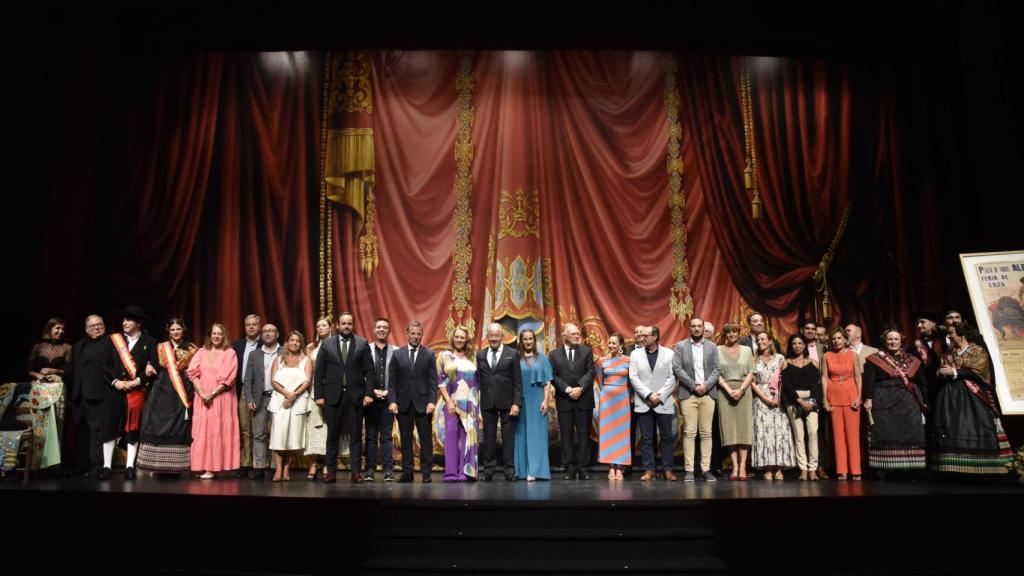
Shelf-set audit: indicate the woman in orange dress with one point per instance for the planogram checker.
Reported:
(841, 386)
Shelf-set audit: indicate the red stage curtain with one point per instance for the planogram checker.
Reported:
(588, 132)
(200, 205)
(803, 125)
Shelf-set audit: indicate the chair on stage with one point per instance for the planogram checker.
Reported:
(17, 439)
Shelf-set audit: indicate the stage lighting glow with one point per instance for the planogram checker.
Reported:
(287, 63)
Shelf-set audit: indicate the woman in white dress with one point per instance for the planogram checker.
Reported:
(291, 377)
(316, 428)
(773, 437)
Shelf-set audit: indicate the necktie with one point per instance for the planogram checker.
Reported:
(572, 354)
(412, 355)
(344, 350)
(494, 357)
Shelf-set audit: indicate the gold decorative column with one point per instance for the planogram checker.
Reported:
(680, 302)
(460, 312)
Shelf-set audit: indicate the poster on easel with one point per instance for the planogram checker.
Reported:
(995, 281)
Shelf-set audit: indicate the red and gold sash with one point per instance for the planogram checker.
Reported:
(124, 354)
(166, 352)
(137, 396)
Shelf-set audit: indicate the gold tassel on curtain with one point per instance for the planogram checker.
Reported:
(750, 147)
(821, 274)
(349, 170)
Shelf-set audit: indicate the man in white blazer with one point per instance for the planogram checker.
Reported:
(696, 367)
(650, 374)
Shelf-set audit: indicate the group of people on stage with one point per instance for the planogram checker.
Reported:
(251, 406)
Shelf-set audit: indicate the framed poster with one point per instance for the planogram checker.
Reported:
(995, 281)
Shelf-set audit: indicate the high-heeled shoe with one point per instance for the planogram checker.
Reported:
(312, 473)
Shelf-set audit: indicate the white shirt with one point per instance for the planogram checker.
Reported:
(268, 363)
(697, 349)
(131, 344)
(494, 355)
(856, 347)
(812, 351)
(250, 345)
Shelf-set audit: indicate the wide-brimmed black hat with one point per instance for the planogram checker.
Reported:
(924, 315)
(134, 313)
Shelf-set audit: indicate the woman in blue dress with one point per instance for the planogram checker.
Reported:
(531, 449)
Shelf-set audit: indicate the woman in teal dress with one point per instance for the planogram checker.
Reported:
(458, 383)
(531, 449)
(612, 373)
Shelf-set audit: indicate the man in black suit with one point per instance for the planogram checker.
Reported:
(343, 382)
(244, 347)
(501, 395)
(130, 370)
(758, 325)
(572, 365)
(94, 402)
(412, 396)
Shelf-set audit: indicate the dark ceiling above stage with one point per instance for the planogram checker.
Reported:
(786, 28)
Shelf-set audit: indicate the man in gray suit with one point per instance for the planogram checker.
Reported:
(650, 374)
(695, 365)
(256, 390)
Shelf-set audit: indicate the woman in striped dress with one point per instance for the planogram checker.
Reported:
(614, 417)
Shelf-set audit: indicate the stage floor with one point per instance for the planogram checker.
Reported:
(592, 491)
(556, 527)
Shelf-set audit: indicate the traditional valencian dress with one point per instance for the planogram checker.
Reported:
(968, 435)
(166, 429)
(896, 386)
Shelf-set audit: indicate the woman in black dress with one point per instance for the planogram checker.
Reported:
(166, 427)
(895, 394)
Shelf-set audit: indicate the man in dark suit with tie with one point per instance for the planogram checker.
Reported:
(572, 365)
(501, 395)
(757, 325)
(412, 396)
(343, 382)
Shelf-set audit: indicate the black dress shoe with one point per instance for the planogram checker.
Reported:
(243, 473)
(583, 476)
(404, 478)
(129, 473)
(510, 477)
(486, 477)
(569, 475)
(104, 474)
(426, 478)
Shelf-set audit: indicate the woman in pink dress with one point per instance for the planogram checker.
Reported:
(215, 441)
